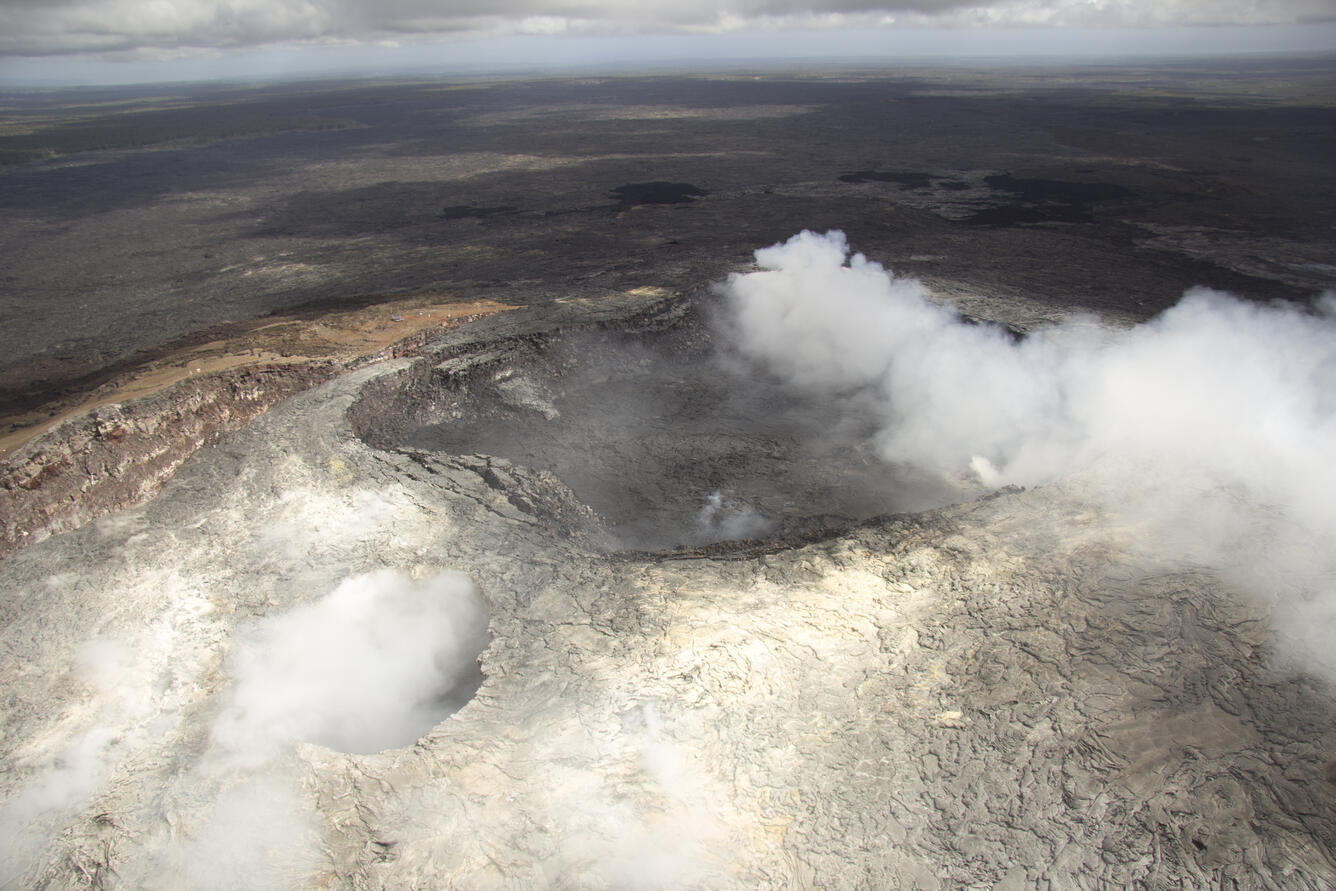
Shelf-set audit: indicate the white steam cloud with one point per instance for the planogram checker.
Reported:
(1214, 423)
(723, 519)
(373, 665)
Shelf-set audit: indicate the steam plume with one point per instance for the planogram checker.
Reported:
(373, 665)
(1215, 421)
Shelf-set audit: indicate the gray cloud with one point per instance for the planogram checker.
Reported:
(166, 27)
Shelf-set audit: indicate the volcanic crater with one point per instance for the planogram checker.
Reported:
(691, 630)
(671, 439)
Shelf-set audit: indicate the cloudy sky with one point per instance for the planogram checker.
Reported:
(130, 39)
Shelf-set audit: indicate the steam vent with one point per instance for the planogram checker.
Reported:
(711, 531)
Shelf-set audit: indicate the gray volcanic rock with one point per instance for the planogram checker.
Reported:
(1005, 692)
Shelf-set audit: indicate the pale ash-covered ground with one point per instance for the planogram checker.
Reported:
(1005, 693)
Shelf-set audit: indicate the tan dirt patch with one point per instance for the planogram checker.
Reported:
(283, 340)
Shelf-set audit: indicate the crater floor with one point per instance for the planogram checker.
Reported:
(671, 440)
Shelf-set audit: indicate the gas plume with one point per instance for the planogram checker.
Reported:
(1213, 425)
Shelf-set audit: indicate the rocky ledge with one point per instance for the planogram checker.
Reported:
(146, 418)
